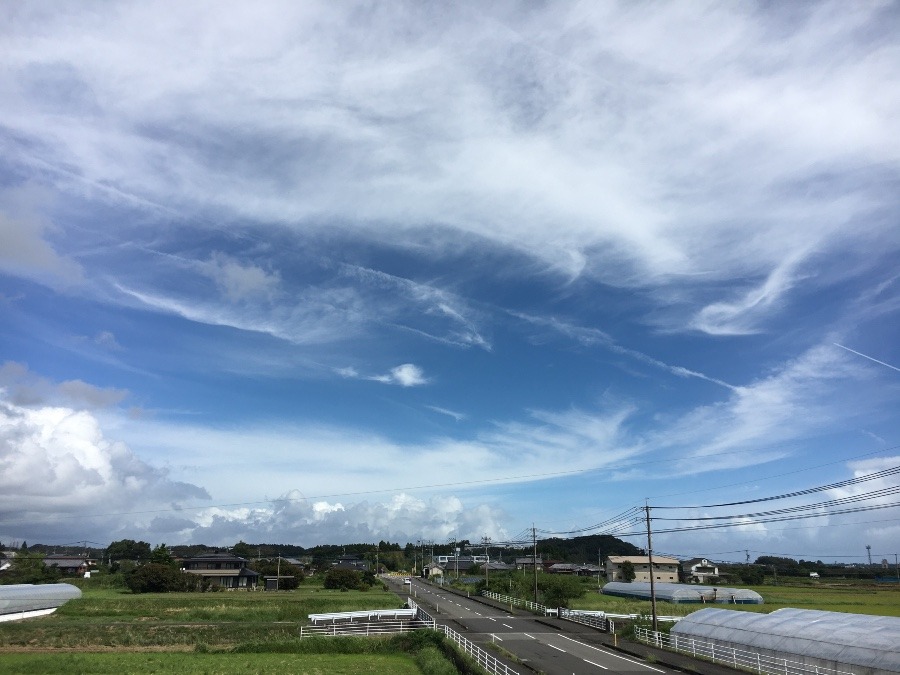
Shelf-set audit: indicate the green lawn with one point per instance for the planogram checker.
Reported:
(208, 664)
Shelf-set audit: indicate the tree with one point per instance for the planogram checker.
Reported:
(155, 578)
(557, 590)
(293, 575)
(343, 579)
(29, 568)
(243, 550)
(161, 556)
(127, 549)
(628, 572)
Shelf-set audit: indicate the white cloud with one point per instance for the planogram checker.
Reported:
(56, 461)
(608, 141)
(25, 249)
(406, 375)
(23, 387)
(241, 282)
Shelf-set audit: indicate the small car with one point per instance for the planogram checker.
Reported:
(407, 580)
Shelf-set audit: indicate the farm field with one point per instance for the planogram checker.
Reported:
(110, 618)
(853, 598)
(115, 631)
(197, 663)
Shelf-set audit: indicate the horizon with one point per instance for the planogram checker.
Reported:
(324, 273)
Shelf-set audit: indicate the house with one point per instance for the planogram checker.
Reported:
(698, 570)
(577, 569)
(664, 569)
(222, 569)
(351, 562)
(68, 565)
(528, 562)
(433, 570)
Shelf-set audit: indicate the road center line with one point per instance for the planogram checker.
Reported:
(507, 625)
(556, 648)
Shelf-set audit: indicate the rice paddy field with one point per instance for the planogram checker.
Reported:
(115, 631)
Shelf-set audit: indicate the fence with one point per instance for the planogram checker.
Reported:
(518, 602)
(597, 620)
(342, 623)
(731, 656)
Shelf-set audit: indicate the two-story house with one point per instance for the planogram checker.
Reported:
(222, 569)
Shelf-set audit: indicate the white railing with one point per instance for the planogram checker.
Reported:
(736, 658)
(367, 614)
(597, 620)
(362, 628)
(422, 619)
(491, 664)
(518, 602)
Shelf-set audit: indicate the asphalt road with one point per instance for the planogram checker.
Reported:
(554, 651)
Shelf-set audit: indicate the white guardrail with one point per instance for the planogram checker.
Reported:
(731, 656)
(414, 618)
(561, 612)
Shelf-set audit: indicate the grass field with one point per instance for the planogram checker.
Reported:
(850, 597)
(208, 664)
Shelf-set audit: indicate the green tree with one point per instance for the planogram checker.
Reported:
(126, 549)
(557, 590)
(29, 568)
(271, 568)
(155, 578)
(628, 572)
(242, 549)
(343, 579)
(161, 556)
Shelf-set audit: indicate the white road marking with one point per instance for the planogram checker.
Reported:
(596, 664)
(496, 638)
(529, 636)
(556, 648)
(507, 625)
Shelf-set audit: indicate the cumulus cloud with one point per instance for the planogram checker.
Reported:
(57, 460)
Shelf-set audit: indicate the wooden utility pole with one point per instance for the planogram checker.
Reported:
(650, 560)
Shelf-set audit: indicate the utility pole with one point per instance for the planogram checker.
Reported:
(650, 560)
(487, 542)
(277, 571)
(869, 551)
(534, 559)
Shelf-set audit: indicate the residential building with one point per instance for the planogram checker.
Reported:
(67, 564)
(698, 570)
(664, 569)
(222, 569)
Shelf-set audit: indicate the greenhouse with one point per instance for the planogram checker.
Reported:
(831, 640)
(683, 593)
(21, 601)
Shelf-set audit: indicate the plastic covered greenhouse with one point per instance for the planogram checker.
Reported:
(857, 643)
(19, 601)
(684, 593)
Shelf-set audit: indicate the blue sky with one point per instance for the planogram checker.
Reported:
(308, 273)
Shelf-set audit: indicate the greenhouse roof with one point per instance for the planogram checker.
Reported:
(17, 598)
(684, 593)
(854, 639)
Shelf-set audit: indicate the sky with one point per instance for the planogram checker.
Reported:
(327, 272)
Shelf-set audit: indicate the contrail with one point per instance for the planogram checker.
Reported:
(866, 357)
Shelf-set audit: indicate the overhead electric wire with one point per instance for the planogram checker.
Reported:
(874, 494)
(760, 521)
(799, 493)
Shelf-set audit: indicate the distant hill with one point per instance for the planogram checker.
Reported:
(585, 549)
